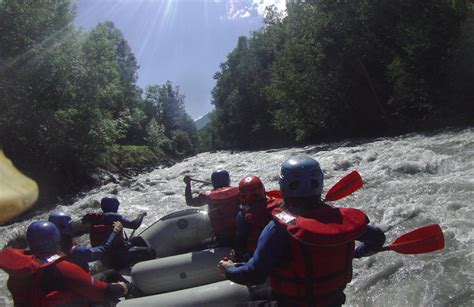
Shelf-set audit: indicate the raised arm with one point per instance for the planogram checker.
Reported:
(134, 224)
(90, 254)
(198, 201)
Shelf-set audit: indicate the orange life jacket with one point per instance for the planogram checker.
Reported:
(322, 249)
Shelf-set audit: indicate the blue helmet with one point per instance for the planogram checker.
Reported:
(220, 179)
(301, 176)
(63, 222)
(109, 204)
(43, 238)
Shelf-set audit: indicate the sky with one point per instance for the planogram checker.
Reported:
(183, 41)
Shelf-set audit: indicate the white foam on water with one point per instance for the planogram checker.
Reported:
(410, 181)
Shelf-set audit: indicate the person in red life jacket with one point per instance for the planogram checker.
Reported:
(42, 276)
(307, 249)
(121, 254)
(80, 255)
(255, 213)
(223, 203)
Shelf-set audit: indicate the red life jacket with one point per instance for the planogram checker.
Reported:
(24, 280)
(322, 249)
(224, 205)
(99, 231)
(258, 219)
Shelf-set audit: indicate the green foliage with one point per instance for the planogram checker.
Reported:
(461, 74)
(169, 128)
(120, 157)
(243, 111)
(157, 139)
(70, 102)
(336, 69)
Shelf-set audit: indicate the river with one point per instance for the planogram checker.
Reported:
(410, 181)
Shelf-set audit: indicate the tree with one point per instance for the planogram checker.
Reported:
(174, 130)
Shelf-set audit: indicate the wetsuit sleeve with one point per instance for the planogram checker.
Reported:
(198, 201)
(81, 283)
(243, 228)
(372, 241)
(90, 254)
(134, 224)
(270, 249)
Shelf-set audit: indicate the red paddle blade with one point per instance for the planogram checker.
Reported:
(419, 241)
(274, 194)
(345, 186)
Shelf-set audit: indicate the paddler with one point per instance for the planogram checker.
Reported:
(43, 276)
(306, 250)
(80, 255)
(223, 203)
(123, 253)
(255, 213)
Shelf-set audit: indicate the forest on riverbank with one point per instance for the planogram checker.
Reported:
(71, 107)
(340, 69)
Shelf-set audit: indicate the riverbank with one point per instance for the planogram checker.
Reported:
(57, 185)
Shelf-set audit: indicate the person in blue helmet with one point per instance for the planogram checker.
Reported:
(43, 276)
(307, 249)
(80, 255)
(101, 224)
(223, 205)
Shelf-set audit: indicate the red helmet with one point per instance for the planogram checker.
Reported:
(251, 190)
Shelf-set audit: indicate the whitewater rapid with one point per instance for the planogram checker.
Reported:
(410, 181)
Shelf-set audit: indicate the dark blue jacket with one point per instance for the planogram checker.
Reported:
(243, 230)
(110, 217)
(82, 255)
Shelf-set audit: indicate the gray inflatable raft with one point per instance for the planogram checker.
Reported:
(185, 273)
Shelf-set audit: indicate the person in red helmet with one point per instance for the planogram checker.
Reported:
(255, 213)
(223, 203)
(43, 276)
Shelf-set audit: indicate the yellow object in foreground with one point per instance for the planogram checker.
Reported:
(18, 192)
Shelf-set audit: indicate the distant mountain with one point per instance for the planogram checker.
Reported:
(202, 121)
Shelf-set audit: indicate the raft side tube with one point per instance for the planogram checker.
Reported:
(179, 232)
(178, 272)
(223, 293)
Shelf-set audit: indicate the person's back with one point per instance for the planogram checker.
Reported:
(306, 250)
(121, 254)
(42, 276)
(255, 213)
(223, 203)
(101, 223)
(321, 241)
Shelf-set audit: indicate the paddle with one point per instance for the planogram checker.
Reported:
(347, 185)
(201, 181)
(419, 241)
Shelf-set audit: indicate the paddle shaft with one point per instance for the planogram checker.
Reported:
(201, 181)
